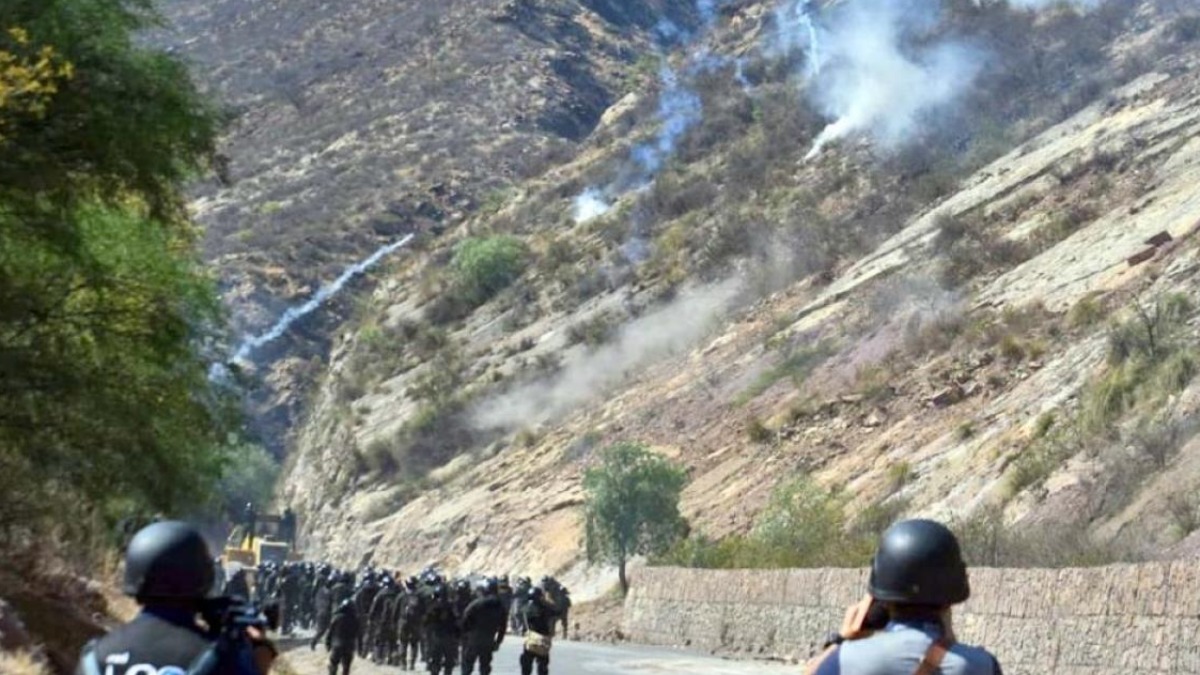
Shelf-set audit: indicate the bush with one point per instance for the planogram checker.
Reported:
(484, 266)
(1087, 312)
(759, 432)
(1152, 332)
(986, 541)
(804, 525)
(593, 331)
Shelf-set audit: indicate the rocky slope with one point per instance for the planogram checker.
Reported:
(353, 123)
(919, 315)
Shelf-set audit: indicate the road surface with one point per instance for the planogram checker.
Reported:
(568, 658)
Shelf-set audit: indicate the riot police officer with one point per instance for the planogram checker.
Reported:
(169, 571)
(483, 623)
(917, 576)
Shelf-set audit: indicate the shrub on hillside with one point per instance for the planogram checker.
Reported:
(480, 268)
(987, 541)
(804, 525)
(484, 266)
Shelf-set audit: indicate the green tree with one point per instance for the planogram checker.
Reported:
(253, 481)
(104, 304)
(484, 266)
(631, 506)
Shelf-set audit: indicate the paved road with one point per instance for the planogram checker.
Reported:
(570, 658)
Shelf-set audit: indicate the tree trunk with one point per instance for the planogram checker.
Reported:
(621, 574)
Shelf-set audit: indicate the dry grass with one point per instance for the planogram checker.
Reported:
(22, 663)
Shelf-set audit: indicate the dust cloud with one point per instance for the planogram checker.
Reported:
(656, 335)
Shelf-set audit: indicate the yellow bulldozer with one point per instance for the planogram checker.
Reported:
(265, 540)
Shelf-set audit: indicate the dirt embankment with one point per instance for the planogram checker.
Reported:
(47, 614)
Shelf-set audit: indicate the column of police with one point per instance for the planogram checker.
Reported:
(903, 627)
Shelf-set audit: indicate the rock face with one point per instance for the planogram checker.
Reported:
(922, 374)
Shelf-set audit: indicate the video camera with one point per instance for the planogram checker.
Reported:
(229, 619)
(233, 615)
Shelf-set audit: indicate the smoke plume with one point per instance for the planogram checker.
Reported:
(643, 341)
(877, 80)
(679, 109)
(589, 205)
(294, 314)
(796, 30)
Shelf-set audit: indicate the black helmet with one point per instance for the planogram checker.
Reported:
(919, 563)
(168, 560)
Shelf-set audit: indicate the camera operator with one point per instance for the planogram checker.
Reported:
(904, 626)
(169, 571)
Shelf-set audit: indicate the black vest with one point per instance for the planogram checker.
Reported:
(150, 645)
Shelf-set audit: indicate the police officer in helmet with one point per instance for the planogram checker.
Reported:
(169, 571)
(904, 626)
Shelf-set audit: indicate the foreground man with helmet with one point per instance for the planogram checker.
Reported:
(169, 571)
(904, 626)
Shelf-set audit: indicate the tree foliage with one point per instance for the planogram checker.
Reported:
(803, 525)
(632, 505)
(252, 482)
(104, 306)
(485, 266)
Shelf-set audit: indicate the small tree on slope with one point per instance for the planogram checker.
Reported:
(631, 506)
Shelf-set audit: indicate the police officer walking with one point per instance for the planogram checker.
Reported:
(169, 571)
(917, 576)
(484, 623)
(442, 633)
(342, 637)
(412, 615)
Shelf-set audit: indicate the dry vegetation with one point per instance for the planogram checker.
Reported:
(735, 196)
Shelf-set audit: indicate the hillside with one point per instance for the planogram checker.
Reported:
(354, 123)
(942, 263)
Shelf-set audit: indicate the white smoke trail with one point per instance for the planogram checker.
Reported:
(293, 314)
(589, 205)
(875, 83)
(680, 109)
(814, 43)
(795, 29)
(649, 338)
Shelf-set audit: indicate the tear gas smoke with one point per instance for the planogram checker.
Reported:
(639, 343)
(796, 30)
(294, 314)
(589, 205)
(875, 81)
(679, 108)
